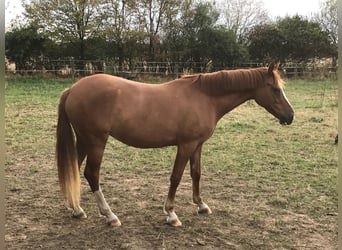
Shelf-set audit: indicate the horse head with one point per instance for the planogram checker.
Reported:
(272, 97)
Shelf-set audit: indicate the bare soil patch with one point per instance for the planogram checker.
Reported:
(38, 219)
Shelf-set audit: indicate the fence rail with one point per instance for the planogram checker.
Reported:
(77, 68)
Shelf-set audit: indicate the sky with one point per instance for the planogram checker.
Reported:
(291, 7)
(275, 8)
(12, 9)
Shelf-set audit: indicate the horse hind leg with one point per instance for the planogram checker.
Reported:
(182, 157)
(92, 173)
(81, 151)
(195, 170)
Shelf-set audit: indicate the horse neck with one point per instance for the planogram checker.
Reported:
(229, 89)
(226, 103)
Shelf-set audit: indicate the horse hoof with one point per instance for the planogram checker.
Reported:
(204, 209)
(81, 215)
(174, 222)
(114, 223)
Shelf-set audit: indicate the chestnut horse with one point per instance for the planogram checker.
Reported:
(182, 113)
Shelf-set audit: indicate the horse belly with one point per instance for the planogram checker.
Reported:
(159, 127)
(144, 136)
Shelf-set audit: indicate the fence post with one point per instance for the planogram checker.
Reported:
(176, 70)
(72, 64)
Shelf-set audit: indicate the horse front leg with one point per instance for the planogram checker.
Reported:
(195, 170)
(183, 155)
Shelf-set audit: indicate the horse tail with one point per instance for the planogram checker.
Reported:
(66, 156)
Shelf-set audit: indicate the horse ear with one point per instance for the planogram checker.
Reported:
(276, 65)
(271, 67)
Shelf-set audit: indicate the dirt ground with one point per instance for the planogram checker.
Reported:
(38, 219)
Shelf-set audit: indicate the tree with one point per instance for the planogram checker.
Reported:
(67, 21)
(119, 30)
(175, 35)
(291, 38)
(329, 23)
(219, 46)
(202, 22)
(23, 45)
(182, 36)
(241, 15)
(303, 39)
(127, 29)
(151, 15)
(114, 24)
(265, 43)
(196, 37)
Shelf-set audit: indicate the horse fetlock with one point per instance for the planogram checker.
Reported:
(111, 218)
(168, 207)
(105, 211)
(164, 211)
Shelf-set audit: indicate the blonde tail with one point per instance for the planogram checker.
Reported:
(66, 156)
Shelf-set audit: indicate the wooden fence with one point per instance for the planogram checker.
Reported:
(76, 68)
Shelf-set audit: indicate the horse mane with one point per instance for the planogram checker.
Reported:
(220, 82)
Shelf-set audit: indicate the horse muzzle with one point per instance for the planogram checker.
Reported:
(286, 119)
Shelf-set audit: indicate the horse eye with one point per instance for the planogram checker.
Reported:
(276, 90)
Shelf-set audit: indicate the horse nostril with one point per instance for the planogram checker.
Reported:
(290, 118)
(286, 119)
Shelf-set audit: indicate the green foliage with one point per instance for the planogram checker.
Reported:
(71, 22)
(219, 44)
(203, 40)
(290, 38)
(205, 16)
(23, 44)
(166, 30)
(327, 18)
(265, 42)
(183, 40)
(303, 39)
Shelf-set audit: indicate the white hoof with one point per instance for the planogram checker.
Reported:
(204, 209)
(173, 220)
(78, 213)
(113, 220)
(114, 223)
